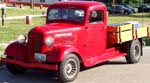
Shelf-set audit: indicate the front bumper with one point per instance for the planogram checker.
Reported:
(31, 65)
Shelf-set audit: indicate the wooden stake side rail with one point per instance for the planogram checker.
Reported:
(123, 33)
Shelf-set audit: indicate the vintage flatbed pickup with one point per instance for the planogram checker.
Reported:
(74, 33)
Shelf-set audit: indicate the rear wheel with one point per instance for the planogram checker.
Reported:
(126, 13)
(69, 68)
(134, 52)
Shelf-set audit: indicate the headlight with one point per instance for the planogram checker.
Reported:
(21, 39)
(49, 41)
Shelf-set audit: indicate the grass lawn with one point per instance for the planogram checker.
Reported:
(141, 17)
(14, 28)
(16, 11)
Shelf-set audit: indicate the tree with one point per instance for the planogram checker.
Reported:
(147, 1)
(135, 3)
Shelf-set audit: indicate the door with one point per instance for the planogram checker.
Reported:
(96, 32)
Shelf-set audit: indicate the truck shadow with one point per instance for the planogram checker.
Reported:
(103, 64)
(31, 76)
(115, 63)
(42, 76)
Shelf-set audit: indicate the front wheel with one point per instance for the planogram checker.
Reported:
(134, 52)
(14, 69)
(1, 64)
(69, 68)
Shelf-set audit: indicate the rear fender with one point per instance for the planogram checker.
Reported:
(141, 42)
(16, 50)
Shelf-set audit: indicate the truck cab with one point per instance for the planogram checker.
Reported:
(75, 32)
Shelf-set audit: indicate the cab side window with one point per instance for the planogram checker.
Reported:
(96, 16)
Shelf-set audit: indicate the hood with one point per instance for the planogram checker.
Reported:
(62, 33)
(57, 27)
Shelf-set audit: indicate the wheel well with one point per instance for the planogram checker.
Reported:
(82, 65)
(79, 57)
(126, 45)
(141, 42)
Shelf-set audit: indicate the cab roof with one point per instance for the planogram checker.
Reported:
(78, 4)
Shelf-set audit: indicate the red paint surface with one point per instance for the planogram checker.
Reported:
(31, 65)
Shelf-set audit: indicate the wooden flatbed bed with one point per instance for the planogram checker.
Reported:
(120, 33)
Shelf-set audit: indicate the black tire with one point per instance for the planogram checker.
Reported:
(14, 69)
(1, 64)
(69, 68)
(126, 13)
(134, 52)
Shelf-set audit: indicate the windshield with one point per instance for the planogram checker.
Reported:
(66, 14)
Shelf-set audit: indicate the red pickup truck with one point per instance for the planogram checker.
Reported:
(75, 32)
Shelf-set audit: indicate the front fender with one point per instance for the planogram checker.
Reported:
(16, 50)
(59, 53)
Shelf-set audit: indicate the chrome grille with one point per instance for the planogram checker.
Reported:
(35, 42)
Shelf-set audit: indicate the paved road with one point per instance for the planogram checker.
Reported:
(115, 71)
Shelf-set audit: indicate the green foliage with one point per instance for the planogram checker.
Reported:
(147, 1)
(147, 41)
(135, 3)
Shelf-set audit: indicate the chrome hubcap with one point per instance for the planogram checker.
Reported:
(70, 68)
(136, 52)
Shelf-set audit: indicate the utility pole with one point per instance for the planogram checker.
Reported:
(3, 12)
(113, 3)
(32, 4)
(2, 1)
